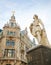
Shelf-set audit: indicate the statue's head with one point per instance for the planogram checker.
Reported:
(35, 17)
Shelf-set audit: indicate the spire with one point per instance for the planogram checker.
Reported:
(13, 12)
(13, 17)
(12, 22)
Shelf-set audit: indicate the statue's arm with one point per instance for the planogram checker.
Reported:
(41, 23)
(31, 26)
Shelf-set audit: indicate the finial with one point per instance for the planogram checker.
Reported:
(13, 12)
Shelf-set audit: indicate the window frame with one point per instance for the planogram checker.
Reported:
(10, 43)
(9, 53)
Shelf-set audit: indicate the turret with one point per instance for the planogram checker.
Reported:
(11, 27)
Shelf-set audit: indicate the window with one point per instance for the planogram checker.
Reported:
(11, 33)
(9, 53)
(7, 32)
(12, 24)
(10, 43)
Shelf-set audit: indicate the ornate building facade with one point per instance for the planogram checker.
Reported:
(13, 44)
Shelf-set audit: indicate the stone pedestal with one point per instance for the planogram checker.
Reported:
(39, 55)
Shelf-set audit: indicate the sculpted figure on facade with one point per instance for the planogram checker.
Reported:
(38, 31)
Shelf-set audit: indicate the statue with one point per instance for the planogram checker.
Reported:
(38, 31)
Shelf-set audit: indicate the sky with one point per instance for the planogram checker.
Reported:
(24, 12)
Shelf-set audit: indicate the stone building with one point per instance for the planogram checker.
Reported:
(13, 44)
(39, 55)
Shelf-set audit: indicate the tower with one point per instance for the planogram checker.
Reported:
(12, 44)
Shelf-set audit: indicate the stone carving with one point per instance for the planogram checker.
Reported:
(38, 31)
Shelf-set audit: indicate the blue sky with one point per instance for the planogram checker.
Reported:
(24, 11)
